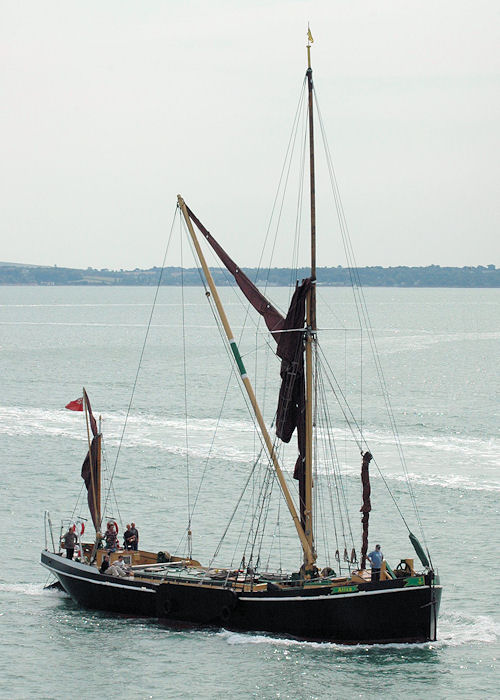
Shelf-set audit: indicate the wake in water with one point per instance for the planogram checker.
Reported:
(419, 341)
(150, 431)
(32, 589)
(454, 630)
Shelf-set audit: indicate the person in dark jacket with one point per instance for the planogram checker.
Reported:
(128, 538)
(104, 565)
(135, 535)
(69, 540)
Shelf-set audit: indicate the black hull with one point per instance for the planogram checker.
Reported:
(92, 590)
(380, 613)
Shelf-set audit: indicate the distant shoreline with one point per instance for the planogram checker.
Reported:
(400, 276)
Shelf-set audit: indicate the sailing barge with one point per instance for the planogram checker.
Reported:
(309, 603)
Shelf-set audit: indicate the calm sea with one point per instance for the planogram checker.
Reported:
(439, 349)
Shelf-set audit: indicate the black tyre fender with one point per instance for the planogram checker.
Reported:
(225, 613)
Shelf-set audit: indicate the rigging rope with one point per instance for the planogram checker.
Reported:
(140, 363)
(184, 364)
(362, 311)
(350, 421)
(231, 377)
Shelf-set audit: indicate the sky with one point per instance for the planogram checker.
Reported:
(110, 109)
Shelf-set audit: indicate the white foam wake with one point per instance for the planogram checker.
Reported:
(31, 589)
(454, 629)
(235, 443)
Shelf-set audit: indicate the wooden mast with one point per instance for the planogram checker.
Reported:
(309, 556)
(98, 475)
(310, 320)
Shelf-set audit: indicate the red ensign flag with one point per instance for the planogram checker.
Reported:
(76, 405)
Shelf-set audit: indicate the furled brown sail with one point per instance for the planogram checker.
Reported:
(367, 506)
(90, 468)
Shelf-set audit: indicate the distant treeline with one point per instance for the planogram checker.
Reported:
(402, 276)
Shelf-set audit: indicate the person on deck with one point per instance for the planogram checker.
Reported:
(104, 565)
(376, 558)
(111, 538)
(128, 538)
(135, 535)
(69, 540)
(118, 568)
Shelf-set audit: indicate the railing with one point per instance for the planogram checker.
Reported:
(48, 525)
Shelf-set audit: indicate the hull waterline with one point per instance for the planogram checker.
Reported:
(376, 615)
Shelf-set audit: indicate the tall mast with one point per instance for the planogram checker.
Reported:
(98, 474)
(310, 318)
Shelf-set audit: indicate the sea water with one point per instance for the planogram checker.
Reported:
(439, 352)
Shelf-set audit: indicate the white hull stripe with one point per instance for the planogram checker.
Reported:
(335, 596)
(100, 583)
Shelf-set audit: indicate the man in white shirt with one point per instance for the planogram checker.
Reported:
(118, 568)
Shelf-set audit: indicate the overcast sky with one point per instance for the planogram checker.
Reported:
(109, 108)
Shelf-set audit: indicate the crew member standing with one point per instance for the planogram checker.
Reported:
(70, 541)
(128, 538)
(376, 558)
(134, 542)
(111, 537)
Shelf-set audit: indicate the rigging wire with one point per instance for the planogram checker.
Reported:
(77, 504)
(217, 549)
(298, 212)
(351, 421)
(186, 432)
(362, 311)
(231, 376)
(251, 504)
(134, 386)
(340, 488)
(287, 163)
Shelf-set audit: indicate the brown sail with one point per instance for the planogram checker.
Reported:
(367, 506)
(272, 317)
(90, 468)
(291, 411)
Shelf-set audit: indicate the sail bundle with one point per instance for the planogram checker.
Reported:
(90, 467)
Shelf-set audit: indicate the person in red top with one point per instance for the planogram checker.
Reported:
(111, 537)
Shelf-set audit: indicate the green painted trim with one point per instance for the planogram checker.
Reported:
(344, 589)
(390, 571)
(237, 357)
(414, 581)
